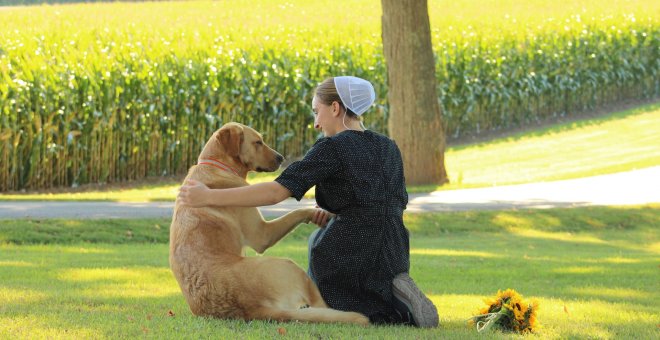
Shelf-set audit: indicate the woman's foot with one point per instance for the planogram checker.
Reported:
(408, 296)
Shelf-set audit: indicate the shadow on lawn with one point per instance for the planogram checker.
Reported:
(582, 219)
(554, 126)
(89, 294)
(541, 267)
(78, 316)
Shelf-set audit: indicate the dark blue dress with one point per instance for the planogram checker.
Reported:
(358, 176)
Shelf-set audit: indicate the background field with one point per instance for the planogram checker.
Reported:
(98, 93)
(620, 141)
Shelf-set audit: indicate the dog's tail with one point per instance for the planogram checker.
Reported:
(313, 314)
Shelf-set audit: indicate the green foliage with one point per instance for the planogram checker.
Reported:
(568, 150)
(112, 92)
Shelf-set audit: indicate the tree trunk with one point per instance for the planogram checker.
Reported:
(415, 120)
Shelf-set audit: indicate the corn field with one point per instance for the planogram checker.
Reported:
(99, 93)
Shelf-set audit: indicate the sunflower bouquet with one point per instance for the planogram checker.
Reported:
(507, 312)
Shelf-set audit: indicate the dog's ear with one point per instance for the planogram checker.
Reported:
(231, 138)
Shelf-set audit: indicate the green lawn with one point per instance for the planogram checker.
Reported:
(594, 270)
(615, 142)
(612, 143)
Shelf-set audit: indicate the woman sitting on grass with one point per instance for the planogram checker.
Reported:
(360, 258)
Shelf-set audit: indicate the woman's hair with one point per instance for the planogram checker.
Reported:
(327, 93)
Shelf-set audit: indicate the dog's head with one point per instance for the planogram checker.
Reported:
(243, 147)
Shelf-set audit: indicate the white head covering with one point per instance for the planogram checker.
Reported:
(356, 93)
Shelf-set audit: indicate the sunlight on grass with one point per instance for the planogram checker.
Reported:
(559, 318)
(114, 274)
(453, 308)
(159, 192)
(79, 250)
(567, 237)
(133, 282)
(44, 328)
(620, 260)
(641, 246)
(130, 291)
(511, 220)
(563, 151)
(580, 270)
(20, 296)
(58, 249)
(654, 247)
(449, 252)
(84, 250)
(609, 292)
(595, 311)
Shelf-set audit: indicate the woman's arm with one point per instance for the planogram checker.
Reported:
(196, 194)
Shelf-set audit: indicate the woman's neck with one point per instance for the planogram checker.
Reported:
(349, 124)
(346, 124)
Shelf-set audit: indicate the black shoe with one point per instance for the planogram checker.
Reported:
(406, 294)
(402, 315)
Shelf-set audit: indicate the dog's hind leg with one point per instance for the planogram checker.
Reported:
(314, 295)
(311, 314)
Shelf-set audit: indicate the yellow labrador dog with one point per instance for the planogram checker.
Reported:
(206, 244)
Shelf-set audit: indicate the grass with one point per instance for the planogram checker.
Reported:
(615, 142)
(593, 269)
(612, 143)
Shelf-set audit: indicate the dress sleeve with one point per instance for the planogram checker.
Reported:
(319, 163)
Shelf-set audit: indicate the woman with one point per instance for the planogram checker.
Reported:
(360, 258)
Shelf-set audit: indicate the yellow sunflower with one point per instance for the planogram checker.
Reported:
(507, 312)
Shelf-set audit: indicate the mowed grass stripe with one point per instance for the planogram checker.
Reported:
(593, 147)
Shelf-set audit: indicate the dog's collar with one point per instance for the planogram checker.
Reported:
(216, 163)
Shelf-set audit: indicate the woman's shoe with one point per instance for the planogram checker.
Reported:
(406, 293)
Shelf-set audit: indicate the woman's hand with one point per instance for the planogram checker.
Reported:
(193, 194)
(321, 217)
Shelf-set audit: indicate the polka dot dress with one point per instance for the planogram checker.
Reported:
(358, 176)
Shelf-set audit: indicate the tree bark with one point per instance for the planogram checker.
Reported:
(415, 120)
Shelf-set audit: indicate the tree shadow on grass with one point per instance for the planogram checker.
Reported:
(551, 127)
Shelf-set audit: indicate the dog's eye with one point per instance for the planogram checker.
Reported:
(260, 142)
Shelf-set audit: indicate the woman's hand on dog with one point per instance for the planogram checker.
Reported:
(196, 194)
(193, 194)
(321, 217)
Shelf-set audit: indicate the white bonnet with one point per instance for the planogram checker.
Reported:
(356, 93)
